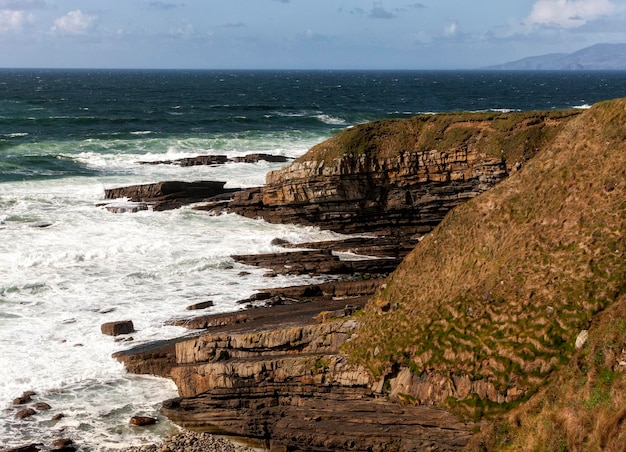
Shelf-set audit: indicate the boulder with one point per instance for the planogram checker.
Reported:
(25, 413)
(23, 399)
(117, 328)
(142, 421)
(202, 305)
(42, 406)
(63, 444)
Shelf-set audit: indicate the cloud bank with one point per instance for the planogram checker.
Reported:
(569, 13)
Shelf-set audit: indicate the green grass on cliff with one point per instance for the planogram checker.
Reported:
(501, 288)
(584, 405)
(513, 136)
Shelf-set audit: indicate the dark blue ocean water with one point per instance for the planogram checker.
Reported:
(116, 110)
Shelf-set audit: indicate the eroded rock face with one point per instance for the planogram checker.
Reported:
(292, 387)
(277, 376)
(406, 194)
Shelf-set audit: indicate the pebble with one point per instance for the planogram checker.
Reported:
(192, 442)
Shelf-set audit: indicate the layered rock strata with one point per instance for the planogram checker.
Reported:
(276, 376)
(406, 194)
(169, 194)
(291, 387)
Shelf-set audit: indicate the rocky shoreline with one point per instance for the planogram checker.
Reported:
(277, 375)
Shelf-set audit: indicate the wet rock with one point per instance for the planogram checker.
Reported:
(117, 328)
(253, 158)
(25, 398)
(57, 417)
(42, 406)
(318, 262)
(63, 445)
(198, 306)
(218, 160)
(40, 224)
(127, 207)
(190, 161)
(142, 421)
(169, 194)
(25, 413)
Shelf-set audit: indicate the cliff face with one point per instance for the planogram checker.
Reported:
(490, 304)
(401, 176)
(292, 387)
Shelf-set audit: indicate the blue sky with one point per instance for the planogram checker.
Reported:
(299, 34)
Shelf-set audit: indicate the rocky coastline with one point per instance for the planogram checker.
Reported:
(276, 374)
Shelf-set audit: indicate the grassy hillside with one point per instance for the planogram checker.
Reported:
(583, 408)
(501, 289)
(514, 136)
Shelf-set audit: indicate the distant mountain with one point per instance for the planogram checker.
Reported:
(606, 57)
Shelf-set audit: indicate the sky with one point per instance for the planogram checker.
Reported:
(299, 34)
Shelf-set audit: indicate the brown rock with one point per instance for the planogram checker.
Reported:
(42, 406)
(202, 305)
(142, 421)
(253, 158)
(25, 413)
(169, 194)
(22, 400)
(63, 442)
(117, 328)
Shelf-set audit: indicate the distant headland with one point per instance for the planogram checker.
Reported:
(599, 57)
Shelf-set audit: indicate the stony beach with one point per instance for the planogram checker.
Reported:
(192, 442)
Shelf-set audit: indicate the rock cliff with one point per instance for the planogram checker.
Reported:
(399, 177)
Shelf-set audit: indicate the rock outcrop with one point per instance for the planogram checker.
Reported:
(398, 177)
(406, 194)
(167, 195)
(291, 387)
(218, 160)
(276, 376)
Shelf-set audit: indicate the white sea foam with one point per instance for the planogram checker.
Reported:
(582, 107)
(14, 135)
(81, 266)
(327, 119)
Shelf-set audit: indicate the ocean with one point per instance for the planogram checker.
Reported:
(68, 265)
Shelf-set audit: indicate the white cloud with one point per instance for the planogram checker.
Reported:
(568, 13)
(451, 29)
(73, 23)
(13, 20)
